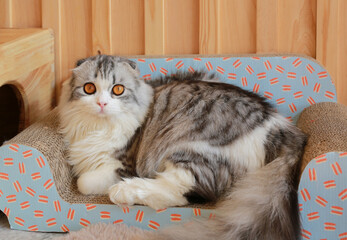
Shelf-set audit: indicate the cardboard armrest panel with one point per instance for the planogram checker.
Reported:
(325, 124)
(45, 137)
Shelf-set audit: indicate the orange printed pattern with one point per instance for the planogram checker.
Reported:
(139, 216)
(154, 225)
(90, 207)
(38, 213)
(175, 217)
(71, 214)
(105, 215)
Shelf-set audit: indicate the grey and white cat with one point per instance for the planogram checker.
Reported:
(183, 140)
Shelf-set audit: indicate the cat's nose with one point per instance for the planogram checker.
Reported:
(102, 104)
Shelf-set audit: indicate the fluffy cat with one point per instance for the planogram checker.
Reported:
(191, 140)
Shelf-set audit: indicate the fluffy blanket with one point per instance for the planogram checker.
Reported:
(109, 231)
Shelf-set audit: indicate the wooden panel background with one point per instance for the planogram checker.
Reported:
(317, 28)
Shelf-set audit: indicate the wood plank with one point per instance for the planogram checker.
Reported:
(181, 27)
(297, 27)
(342, 52)
(39, 91)
(5, 14)
(127, 27)
(26, 13)
(154, 27)
(72, 24)
(24, 53)
(267, 26)
(51, 18)
(101, 26)
(331, 43)
(26, 63)
(208, 30)
(76, 33)
(7, 36)
(327, 35)
(237, 26)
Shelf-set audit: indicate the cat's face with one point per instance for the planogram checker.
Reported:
(106, 86)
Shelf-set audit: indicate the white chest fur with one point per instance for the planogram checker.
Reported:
(92, 141)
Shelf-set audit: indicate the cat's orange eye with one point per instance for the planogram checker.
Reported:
(118, 89)
(89, 88)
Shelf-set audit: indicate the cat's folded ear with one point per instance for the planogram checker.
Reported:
(77, 68)
(132, 66)
(84, 61)
(79, 62)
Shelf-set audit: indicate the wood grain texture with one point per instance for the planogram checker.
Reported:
(316, 28)
(76, 33)
(5, 13)
(9, 36)
(154, 26)
(27, 62)
(51, 18)
(224, 29)
(127, 26)
(26, 13)
(297, 27)
(267, 26)
(209, 26)
(327, 32)
(181, 26)
(26, 51)
(342, 52)
(38, 90)
(237, 26)
(20, 14)
(331, 42)
(286, 26)
(101, 26)
(72, 25)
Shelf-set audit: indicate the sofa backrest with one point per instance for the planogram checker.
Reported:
(291, 83)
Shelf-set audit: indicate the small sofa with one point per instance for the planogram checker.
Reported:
(38, 192)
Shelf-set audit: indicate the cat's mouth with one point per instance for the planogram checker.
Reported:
(102, 113)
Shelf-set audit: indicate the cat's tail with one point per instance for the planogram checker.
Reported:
(262, 206)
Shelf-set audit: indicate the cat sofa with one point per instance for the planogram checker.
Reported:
(38, 193)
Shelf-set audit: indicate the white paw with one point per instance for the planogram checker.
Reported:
(123, 193)
(88, 184)
(96, 182)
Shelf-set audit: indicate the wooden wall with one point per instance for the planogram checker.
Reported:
(317, 28)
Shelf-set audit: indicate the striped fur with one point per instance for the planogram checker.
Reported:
(238, 149)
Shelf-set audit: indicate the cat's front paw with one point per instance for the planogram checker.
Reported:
(122, 194)
(90, 183)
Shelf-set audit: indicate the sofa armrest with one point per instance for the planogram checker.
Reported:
(44, 136)
(326, 126)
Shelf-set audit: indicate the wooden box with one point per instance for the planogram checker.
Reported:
(26, 78)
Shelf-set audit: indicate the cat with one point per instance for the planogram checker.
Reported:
(182, 139)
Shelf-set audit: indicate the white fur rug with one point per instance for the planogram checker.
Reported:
(7, 233)
(110, 231)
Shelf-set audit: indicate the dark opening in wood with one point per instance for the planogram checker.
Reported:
(12, 114)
